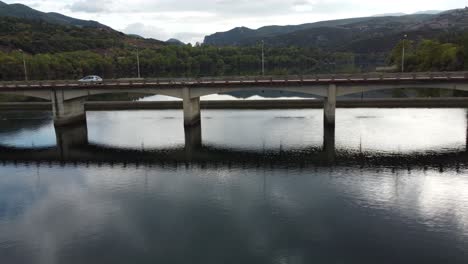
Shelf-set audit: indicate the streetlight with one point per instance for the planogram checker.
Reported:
(138, 61)
(403, 54)
(24, 66)
(263, 57)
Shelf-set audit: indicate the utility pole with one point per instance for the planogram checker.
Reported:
(138, 62)
(403, 54)
(24, 66)
(263, 57)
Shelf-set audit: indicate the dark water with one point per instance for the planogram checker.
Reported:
(260, 187)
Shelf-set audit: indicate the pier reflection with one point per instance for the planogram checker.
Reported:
(193, 140)
(69, 137)
(329, 142)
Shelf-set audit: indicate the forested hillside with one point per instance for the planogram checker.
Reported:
(173, 61)
(25, 12)
(448, 53)
(38, 36)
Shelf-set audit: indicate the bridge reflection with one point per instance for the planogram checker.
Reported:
(73, 147)
(70, 137)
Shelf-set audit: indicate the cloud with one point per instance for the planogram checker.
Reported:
(90, 6)
(189, 37)
(237, 8)
(147, 31)
(150, 31)
(190, 20)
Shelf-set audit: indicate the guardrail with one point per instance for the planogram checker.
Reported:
(246, 79)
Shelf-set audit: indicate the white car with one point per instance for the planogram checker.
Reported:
(90, 79)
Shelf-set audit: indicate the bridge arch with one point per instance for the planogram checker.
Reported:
(79, 94)
(317, 90)
(45, 95)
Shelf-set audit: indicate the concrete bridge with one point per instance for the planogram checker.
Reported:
(68, 97)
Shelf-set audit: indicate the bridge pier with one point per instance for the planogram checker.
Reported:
(329, 106)
(67, 112)
(191, 108)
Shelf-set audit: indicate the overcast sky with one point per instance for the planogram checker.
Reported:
(191, 20)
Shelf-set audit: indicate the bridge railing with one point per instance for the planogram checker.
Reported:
(316, 77)
(247, 79)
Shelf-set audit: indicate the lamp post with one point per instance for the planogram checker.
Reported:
(138, 61)
(263, 57)
(403, 54)
(24, 66)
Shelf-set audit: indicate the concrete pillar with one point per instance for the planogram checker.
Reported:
(329, 106)
(67, 112)
(193, 140)
(191, 108)
(70, 137)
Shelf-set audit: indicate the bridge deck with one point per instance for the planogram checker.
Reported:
(243, 81)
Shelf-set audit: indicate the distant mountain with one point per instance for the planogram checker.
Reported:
(428, 12)
(367, 34)
(135, 36)
(242, 35)
(25, 12)
(174, 41)
(390, 14)
(449, 20)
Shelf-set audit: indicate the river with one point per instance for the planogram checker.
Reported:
(252, 194)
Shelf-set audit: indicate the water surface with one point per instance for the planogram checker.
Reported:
(230, 204)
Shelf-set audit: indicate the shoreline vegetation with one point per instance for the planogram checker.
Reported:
(202, 61)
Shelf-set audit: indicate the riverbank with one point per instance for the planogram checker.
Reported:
(458, 102)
